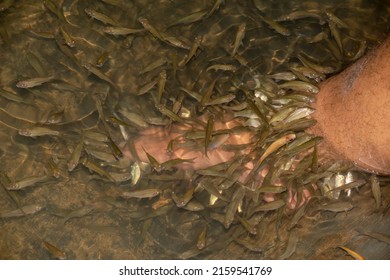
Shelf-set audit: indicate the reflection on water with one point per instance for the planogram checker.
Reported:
(81, 79)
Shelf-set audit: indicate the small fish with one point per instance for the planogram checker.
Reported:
(300, 86)
(249, 227)
(162, 79)
(276, 26)
(379, 236)
(75, 156)
(25, 210)
(101, 60)
(135, 173)
(93, 167)
(183, 200)
(38, 131)
(54, 251)
(316, 67)
(233, 206)
(352, 253)
(338, 206)
(121, 31)
(299, 15)
(153, 162)
(165, 111)
(299, 113)
(35, 63)
(54, 168)
(206, 96)
(222, 67)
(221, 99)
(175, 161)
(277, 144)
(33, 82)
(147, 87)
(333, 18)
(145, 23)
(297, 216)
(146, 193)
(27, 182)
(67, 38)
(336, 35)
(54, 9)
(195, 46)
(191, 18)
(239, 36)
(376, 190)
(201, 243)
(78, 213)
(269, 206)
(291, 245)
(100, 75)
(100, 17)
(209, 131)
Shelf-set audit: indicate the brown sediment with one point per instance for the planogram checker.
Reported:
(352, 110)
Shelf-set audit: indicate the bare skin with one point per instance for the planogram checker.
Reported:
(353, 114)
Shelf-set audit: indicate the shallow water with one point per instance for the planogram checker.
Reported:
(85, 216)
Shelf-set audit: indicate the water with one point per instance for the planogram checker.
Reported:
(117, 228)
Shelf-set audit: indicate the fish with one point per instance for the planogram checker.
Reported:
(348, 186)
(299, 15)
(206, 96)
(239, 37)
(33, 82)
(249, 227)
(376, 190)
(165, 111)
(333, 18)
(209, 131)
(162, 79)
(299, 113)
(291, 245)
(146, 25)
(153, 162)
(338, 206)
(145, 193)
(183, 200)
(93, 167)
(201, 243)
(135, 173)
(100, 75)
(101, 59)
(36, 63)
(25, 210)
(276, 26)
(379, 236)
(121, 31)
(269, 206)
(38, 131)
(191, 18)
(148, 86)
(232, 207)
(78, 213)
(222, 67)
(352, 253)
(69, 41)
(54, 251)
(277, 144)
(175, 161)
(300, 86)
(100, 17)
(54, 9)
(75, 156)
(336, 35)
(27, 182)
(194, 48)
(316, 67)
(221, 99)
